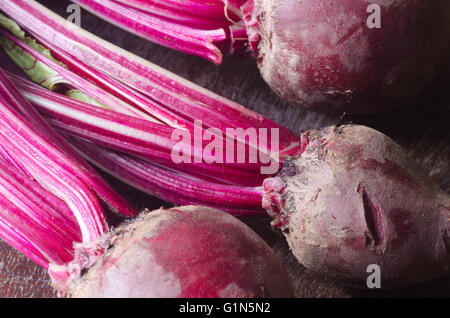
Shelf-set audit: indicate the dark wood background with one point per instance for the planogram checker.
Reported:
(423, 129)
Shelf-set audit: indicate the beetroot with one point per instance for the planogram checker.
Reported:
(185, 252)
(356, 56)
(322, 54)
(355, 198)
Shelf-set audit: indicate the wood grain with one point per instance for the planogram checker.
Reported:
(20, 277)
(423, 129)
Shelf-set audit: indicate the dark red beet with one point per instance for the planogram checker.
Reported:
(321, 54)
(355, 198)
(185, 252)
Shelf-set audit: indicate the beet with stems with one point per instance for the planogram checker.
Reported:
(355, 198)
(355, 56)
(185, 252)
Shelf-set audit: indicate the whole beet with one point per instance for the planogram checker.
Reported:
(185, 252)
(355, 198)
(322, 54)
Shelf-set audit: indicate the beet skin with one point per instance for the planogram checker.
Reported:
(322, 54)
(185, 252)
(355, 198)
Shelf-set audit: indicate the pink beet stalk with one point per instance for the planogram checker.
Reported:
(57, 170)
(49, 196)
(170, 91)
(16, 102)
(25, 205)
(72, 79)
(183, 38)
(182, 16)
(147, 140)
(145, 146)
(128, 95)
(211, 9)
(171, 28)
(23, 144)
(176, 187)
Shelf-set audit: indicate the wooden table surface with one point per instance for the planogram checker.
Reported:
(423, 129)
